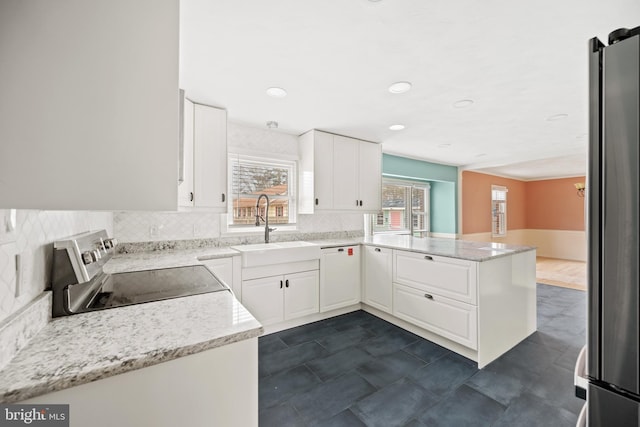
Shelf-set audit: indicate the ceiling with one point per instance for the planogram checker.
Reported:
(522, 63)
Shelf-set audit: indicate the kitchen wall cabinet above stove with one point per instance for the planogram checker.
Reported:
(338, 174)
(204, 145)
(90, 105)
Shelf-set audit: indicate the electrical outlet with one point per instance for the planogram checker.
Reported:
(23, 267)
(153, 231)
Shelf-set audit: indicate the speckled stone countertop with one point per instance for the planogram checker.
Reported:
(86, 347)
(461, 249)
(164, 259)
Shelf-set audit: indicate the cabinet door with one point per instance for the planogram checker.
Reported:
(185, 188)
(449, 277)
(210, 157)
(370, 176)
(451, 319)
(263, 298)
(339, 277)
(323, 170)
(301, 294)
(377, 277)
(345, 173)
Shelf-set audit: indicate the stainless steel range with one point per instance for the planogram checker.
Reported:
(80, 284)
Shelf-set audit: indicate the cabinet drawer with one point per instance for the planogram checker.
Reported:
(446, 317)
(449, 277)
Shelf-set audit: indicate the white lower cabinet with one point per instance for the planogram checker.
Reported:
(377, 290)
(339, 277)
(449, 318)
(274, 299)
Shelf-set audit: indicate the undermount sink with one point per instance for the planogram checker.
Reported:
(277, 253)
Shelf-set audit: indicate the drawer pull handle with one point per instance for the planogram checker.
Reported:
(378, 250)
(341, 250)
(428, 296)
(428, 258)
(280, 284)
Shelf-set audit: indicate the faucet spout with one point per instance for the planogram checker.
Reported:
(265, 219)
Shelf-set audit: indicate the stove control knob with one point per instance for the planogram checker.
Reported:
(87, 257)
(95, 254)
(110, 243)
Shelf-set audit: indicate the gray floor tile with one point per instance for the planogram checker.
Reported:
(306, 333)
(426, 350)
(466, 407)
(345, 418)
(499, 386)
(345, 338)
(394, 405)
(389, 342)
(280, 416)
(277, 388)
(389, 368)
(338, 363)
(532, 356)
(332, 397)
(290, 357)
(568, 358)
(551, 386)
(270, 343)
(444, 375)
(531, 411)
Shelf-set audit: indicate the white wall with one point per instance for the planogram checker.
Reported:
(242, 139)
(32, 239)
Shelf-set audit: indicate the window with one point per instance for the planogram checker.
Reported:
(405, 208)
(498, 211)
(252, 176)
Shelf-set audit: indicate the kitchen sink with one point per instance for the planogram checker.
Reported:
(260, 254)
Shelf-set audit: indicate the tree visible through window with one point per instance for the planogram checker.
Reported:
(251, 177)
(498, 211)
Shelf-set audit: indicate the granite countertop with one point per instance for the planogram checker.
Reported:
(164, 259)
(461, 249)
(78, 349)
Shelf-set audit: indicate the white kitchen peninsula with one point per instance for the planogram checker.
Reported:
(475, 298)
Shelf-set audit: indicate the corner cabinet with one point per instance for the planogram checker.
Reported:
(204, 148)
(97, 130)
(338, 173)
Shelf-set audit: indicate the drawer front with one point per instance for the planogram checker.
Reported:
(449, 318)
(448, 277)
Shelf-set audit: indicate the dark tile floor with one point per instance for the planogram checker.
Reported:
(358, 370)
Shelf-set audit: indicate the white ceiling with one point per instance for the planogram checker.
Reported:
(521, 63)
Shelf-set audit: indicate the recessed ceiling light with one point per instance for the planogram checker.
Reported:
(271, 124)
(400, 87)
(463, 103)
(396, 127)
(481, 155)
(557, 117)
(276, 92)
(444, 145)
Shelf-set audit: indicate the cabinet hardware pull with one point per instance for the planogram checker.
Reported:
(356, 203)
(360, 202)
(428, 258)
(223, 197)
(341, 250)
(316, 202)
(287, 283)
(378, 250)
(280, 284)
(427, 296)
(191, 196)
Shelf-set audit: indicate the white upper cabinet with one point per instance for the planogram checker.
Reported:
(345, 174)
(185, 187)
(205, 162)
(90, 105)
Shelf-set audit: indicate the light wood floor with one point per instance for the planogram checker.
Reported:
(560, 272)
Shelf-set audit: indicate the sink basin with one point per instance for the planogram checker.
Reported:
(277, 253)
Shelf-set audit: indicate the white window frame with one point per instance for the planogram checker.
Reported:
(373, 218)
(291, 165)
(499, 210)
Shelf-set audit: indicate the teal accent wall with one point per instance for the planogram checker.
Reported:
(444, 187)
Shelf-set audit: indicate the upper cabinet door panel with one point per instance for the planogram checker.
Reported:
(345, 173)
(370, 176)
(210, 157)
(185, 188)
(323, 170)
(90, 111)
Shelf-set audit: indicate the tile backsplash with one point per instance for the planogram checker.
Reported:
(32, 239)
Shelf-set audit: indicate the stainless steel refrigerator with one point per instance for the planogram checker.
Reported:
(613, 215)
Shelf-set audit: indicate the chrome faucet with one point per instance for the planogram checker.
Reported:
(265, 219)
